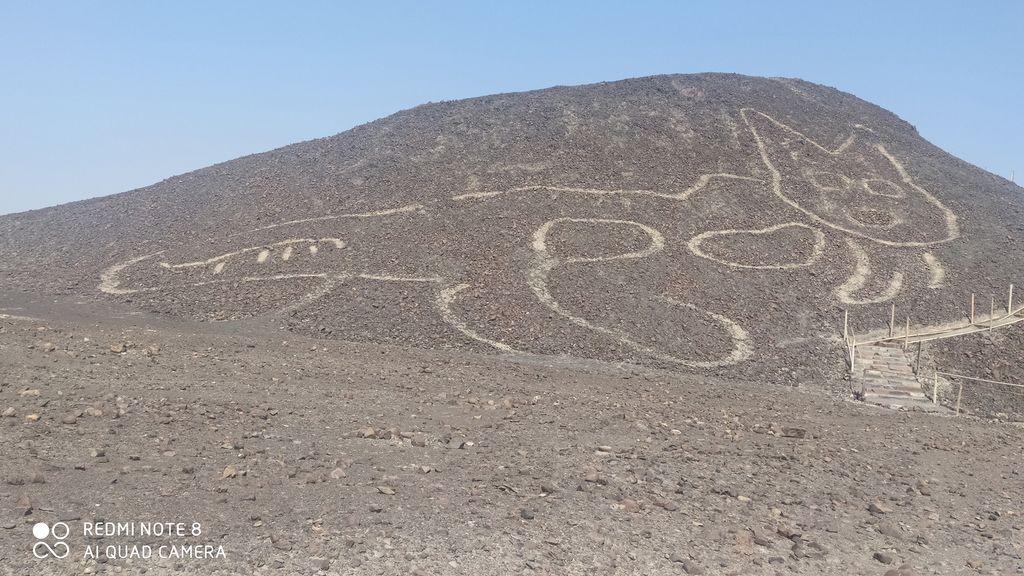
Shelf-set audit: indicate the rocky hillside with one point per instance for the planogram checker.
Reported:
(710, 223)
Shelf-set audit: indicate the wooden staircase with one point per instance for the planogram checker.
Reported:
(881, 372)
(885, 376)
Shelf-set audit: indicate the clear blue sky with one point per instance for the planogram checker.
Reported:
(103, 97)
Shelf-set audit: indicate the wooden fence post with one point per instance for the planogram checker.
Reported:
(892, 319)
(972, 307)
(1009, 301)
(917, 368)
(853, 353)
(906, 335)
(992, 312)
(959, 394)
(935, 388)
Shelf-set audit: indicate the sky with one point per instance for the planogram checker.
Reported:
(102, 97)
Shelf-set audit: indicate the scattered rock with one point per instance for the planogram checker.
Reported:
(526, 514)
(630, 505)
(904, 570)
(883, 557)
(229, 472)
(8, 412)
(338, 473)
(923, 488)
(69, 419)
(691, 567)
(667, 505)
(386, 490)
(793, 432)
(878, 509)
(118, 348)
(23, 505)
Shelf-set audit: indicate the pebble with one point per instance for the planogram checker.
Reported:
(793, 432)
(691, 567)
(118, 348)
(419, 441)
(229, 472)
(630, 505)
(882, 557)
(526, 514)
(386, 490)
(338, 473)
(8, 412)
(667, 505)
(878, 509)
(904, 570)
(923, 487)
(69, 419)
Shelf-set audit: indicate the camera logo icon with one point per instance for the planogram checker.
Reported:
(42, 548)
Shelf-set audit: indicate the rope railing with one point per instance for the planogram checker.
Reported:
(972, 326)
(960, 389)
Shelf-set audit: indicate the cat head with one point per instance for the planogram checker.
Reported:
(857, 187)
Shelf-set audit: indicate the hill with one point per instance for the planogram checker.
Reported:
(713, 223)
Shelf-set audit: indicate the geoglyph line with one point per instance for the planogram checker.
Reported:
(701, 183)
(372, 214)
(952, 228)
(262, 256)
(544, 263)
(937, 272)
(816, 252)
(861, 273)
(445, 298)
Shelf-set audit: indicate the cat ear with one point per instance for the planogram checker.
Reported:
(778, 141)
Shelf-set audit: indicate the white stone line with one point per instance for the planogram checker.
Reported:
(937, 272)
(702, 182)
(861, 273)
(445, 298)
(817, 251)
(387, 278)
(372, 214)
(952, 228)
(544, 263)
(109, 279)
(657, 240)
(21, 318)
(264, 252)
(110, 284)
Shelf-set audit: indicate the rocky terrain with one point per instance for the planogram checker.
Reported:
(301, 456)
(582, 330)
(716, 223)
